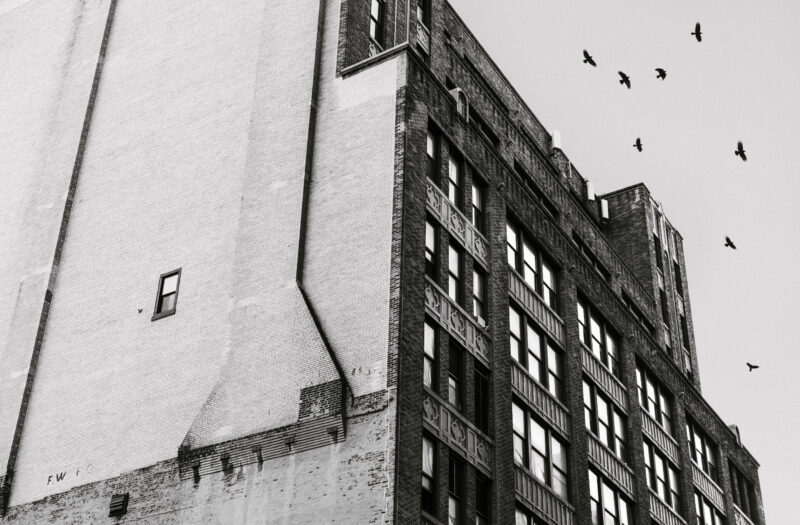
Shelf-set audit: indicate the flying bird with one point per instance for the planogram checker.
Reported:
(729, 243)
(661, 73)
(140, 310)
(638, 144)
(587, 59)
(697, 33)
(751, 367)
(624, 79)
(740, 151)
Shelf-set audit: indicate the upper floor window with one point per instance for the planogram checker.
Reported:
(376, 21)
(604, 420)
(661, 476)
(430, 344)
(607, 505)
(744, 495)
(654, 399)
(455, 178)
(482, 401)
(531, 349)
(483, 499)
(537, 272)
(455, 265)
(478, 206)
(428, 475)
(431, 249)
(455, 490)
(538, 449)
(479, 294)
(432, 154)
(167, 298)
(702, 449)
(705, 512)
(676, 272)
(659, 252)
(595, 334)
(424, 12)
(455, 376)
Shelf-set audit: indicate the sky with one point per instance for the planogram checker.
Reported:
(742, 82)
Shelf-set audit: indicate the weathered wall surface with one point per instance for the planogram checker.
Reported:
(48, 52)
(196, 160)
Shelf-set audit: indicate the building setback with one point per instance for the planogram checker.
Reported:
(298, 261)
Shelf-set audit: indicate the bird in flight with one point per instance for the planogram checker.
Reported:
(729, 243)
(638, 144)
(752, 367)
(587, 59)
(740, 151)
(661, 73)
(624, 79)
(697, 33)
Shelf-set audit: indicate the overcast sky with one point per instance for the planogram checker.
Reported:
(741, 83)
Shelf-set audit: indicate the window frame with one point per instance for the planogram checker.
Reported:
(662, 411)
(708, 511)
(431, 249)
(615, 436)
(433, 141)
(455, 489)
(671, 493)
(610, 360)
(546, 367)
(429, 480)
(455, 376)
(430, 362)
(455, 178)
(708, 454)
(598, 497)
(479, 293)
(478, 218)
(541, 264)
(455, 281)
(376, 21)
(531, 452)
(160, 314)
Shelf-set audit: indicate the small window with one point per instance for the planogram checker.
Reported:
(428, 476)
(376, 21)
(431, 249)
(454, 269)
(429, 371)
(455, 179)
(478, 206)
(167, 294)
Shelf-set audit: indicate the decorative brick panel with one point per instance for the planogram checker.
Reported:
(610, 464)
(534, 306)
(423, 38)
(707, 486)
(457, 322)
(605, 379)
(660, 438)
(662, 514)
(542, 499)
(536, 396)
(457, 224)
(458, 433)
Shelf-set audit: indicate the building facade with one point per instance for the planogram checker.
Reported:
(315, 261)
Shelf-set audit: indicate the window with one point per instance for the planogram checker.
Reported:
(659, 254)
(167, 298)
(676, 271)
(455, 486)
(537, 449)
(589, 255)
(537, 272)
(479, 294)
(432, 148)
(705, 512)
(595, 334)
(428, 475)
(482, 400)
(687, 363)
(455, 376)
(744, 495)
(661, 476)
(455, 178)
(685, 331)
(548, 206)
(654, 399)
(483, 499)
(523, 517)
(664, 307)
(604, 420)
(424, 12)
(454, 270)
(431, 249)
(376, 21)
(535, 353)
(429, 373)
(702, 449)
(478, 206)
(607, 505)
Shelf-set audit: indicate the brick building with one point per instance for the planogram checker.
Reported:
(297, 261)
